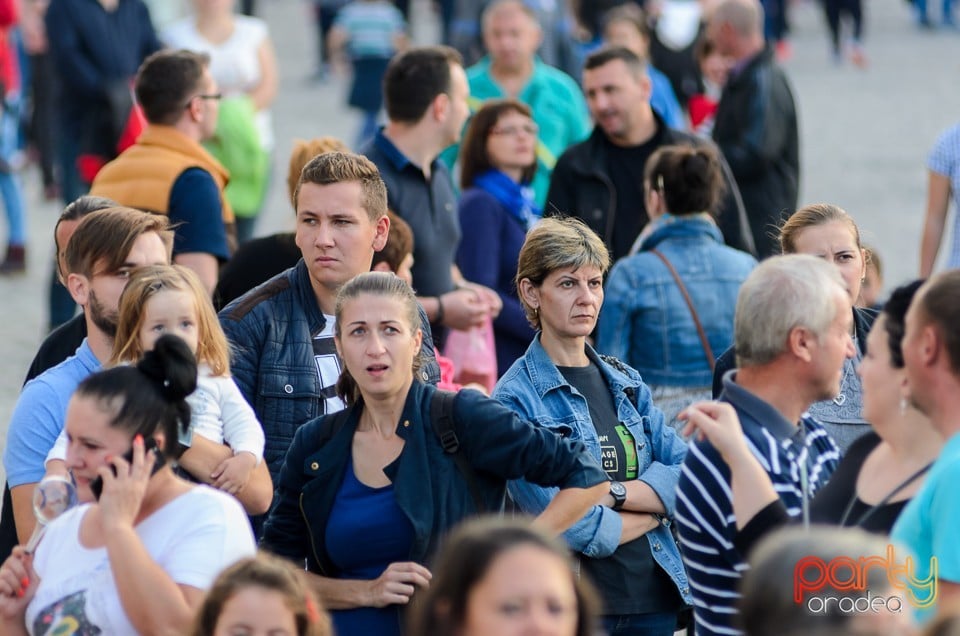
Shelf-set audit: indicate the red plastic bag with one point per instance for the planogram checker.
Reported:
(473, 355)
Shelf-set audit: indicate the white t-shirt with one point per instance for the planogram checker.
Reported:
(234, 63)
(328, 366)
(193, 538)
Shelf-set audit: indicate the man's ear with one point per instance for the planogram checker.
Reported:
(195, 108)
(440, 106)
(79, 287)
(931, 344)
(799, 343)
(383, 233)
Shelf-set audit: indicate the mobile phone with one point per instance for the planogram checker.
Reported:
(149, 445)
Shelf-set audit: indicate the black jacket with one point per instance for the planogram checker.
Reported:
(429, 487)
(581, 187)
(756, 129)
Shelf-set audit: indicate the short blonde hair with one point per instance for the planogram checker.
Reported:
(557, 243)
(344, 167)
(146, 282)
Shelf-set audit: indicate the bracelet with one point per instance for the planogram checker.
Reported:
(440, 312)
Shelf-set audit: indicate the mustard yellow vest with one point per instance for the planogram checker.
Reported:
(143, 175)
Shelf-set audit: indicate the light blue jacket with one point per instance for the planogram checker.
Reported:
(646, 322)
(536, 389)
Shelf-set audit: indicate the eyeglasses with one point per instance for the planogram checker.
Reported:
(513, 131)
(212, 96)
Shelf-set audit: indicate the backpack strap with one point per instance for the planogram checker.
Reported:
(441, 417)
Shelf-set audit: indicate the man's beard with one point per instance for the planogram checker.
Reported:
(106, 321)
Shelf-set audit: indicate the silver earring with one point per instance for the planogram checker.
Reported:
(903, 405)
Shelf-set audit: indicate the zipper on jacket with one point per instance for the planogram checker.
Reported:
(313, 547)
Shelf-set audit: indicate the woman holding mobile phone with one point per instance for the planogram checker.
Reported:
(138, 560)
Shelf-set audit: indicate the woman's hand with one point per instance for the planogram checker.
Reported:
(123, 492)
(718, 423)
(18, 585)
(398, 583)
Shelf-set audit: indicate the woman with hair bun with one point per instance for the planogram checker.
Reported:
(137, 560)
(670, 306)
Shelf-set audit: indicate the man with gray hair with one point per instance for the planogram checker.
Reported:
(792, 335)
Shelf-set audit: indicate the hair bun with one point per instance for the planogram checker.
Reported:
(171, 366)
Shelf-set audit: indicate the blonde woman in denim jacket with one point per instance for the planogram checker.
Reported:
(625, 543)
(647, 322)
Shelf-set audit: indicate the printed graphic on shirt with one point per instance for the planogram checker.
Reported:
(66, 617)
(328, 367)
(618, 457)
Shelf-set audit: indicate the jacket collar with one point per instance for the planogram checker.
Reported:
(546, 377)
(682, 227)
(300, 281)
(594, 160)
(172, 139)
(765, 56)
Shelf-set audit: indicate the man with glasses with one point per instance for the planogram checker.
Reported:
(167, 171)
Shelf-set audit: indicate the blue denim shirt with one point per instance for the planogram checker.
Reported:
(536, 389)
(646, 322)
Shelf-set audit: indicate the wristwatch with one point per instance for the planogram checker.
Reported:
(619, 493)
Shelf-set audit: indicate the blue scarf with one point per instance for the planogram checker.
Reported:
(515, 197)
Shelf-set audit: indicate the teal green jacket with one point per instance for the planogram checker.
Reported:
(558, 106)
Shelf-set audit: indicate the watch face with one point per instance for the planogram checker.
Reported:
(618, 489)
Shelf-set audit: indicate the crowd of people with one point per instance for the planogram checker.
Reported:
(613, 379)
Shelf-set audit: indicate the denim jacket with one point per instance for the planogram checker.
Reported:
(430, 489)
(536, 389)
(646, 322)
(270, 329)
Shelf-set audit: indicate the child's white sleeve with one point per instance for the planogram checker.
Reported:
(241, 428)
(59, 450)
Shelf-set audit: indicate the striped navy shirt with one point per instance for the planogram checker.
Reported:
(799, 460)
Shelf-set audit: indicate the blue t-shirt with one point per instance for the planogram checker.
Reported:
(366, 532)
(927, 526)
(40, 414)
(370, 27)
(196, 214)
